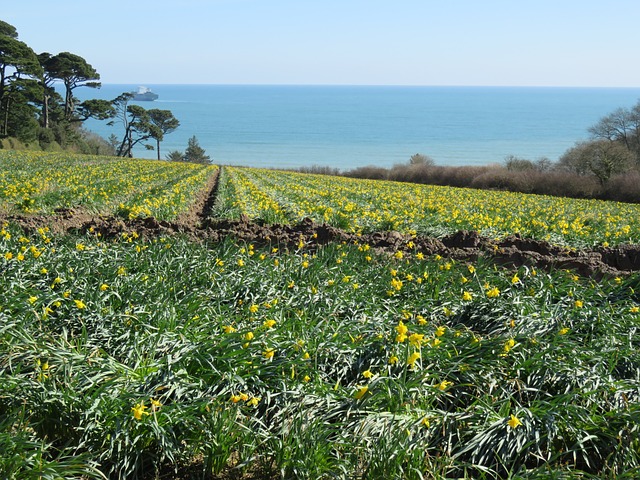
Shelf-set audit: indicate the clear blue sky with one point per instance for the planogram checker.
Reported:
(361, 42)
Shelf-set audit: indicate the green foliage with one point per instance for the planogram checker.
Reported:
(128, 355)
(195, 153)
(175, 156)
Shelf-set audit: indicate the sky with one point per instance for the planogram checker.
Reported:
(590, 43)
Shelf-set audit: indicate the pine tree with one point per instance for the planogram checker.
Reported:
(195, 153)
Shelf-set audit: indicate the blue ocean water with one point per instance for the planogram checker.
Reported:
(350, 126)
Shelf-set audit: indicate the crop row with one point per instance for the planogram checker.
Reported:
(361, 205)
(38, 182)
(120, 356)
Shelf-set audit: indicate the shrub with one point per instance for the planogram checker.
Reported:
(623, 188)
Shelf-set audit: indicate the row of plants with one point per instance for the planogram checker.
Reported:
(366, 205)
(39, 183)
(127, 358)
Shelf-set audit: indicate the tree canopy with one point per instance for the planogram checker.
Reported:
(31, 109)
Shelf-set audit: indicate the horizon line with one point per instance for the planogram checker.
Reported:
(370, 85)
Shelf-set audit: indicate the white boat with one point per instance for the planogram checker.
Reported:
(144, 95)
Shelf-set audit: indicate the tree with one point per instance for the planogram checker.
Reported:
(420, 159)
(74, 72)
(621, 126)
(17, 60)
(8, 30)
(601, 158)
(517, 164)
(175, 156)
(195, 153)
(138, 129)
(98, 109)
(164, 123)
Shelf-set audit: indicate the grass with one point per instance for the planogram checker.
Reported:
(123, 358)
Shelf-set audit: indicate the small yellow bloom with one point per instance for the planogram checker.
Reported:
(471, 268)
(269, 323)
(493, 292)
(515, 279)
(253, 402)
(253, 308)
(104, 287)
(514, 422)
(509, 344)
(306, 379)
(361, 392)
(248, 336)
(440, 331)
(139, 410)
(393, 360)
(415, 339)
(564, 331)
(413, 358)
(367, 374)
(578, 304)
(443, 385)
(401, 328)
(228, 329)
(399, 255)
(268, 353)
(79, 304)
(466, 296)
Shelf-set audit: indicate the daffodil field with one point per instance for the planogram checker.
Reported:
(164, 357)
(369, 205)
(39, 182)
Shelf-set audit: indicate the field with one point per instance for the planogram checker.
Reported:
(171, 348)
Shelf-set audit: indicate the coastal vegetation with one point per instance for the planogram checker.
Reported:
(33, 115)
(365, 206)
(141, 339)
(126, 353)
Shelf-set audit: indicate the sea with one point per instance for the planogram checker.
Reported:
(345, 127)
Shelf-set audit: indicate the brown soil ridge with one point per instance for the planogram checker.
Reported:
(511, 251)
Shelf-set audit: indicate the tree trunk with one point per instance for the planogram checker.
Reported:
(158, 147)
(45, 111)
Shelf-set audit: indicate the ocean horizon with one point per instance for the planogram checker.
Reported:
(345, 127)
